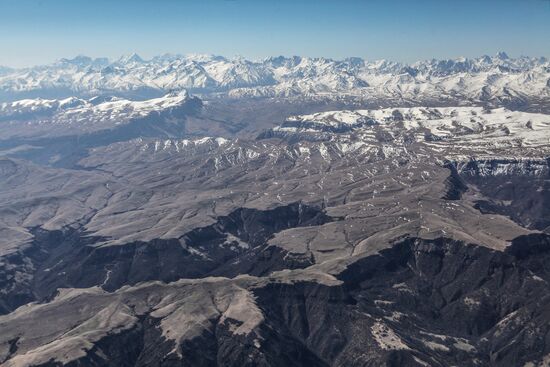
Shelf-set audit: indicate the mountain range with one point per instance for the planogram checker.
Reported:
(202, 211)
(497, 79)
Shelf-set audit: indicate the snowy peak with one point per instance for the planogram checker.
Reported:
(502, 55)
(130, 59)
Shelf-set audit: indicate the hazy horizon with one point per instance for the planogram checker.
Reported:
(36, 32)
(258, 59)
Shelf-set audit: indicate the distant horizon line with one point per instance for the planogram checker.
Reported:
(501, 54)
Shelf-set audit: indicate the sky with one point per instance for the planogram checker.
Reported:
(36, 32)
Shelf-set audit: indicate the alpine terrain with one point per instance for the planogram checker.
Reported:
(291, 211)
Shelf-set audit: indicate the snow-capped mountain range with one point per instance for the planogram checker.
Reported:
(470, 80)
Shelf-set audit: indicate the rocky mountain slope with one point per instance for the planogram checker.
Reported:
(167, 232)
(49, 118)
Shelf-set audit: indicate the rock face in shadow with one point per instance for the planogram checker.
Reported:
(455, 184)
(519, 189)
(436, 303)
(234, 244)
(421, 302)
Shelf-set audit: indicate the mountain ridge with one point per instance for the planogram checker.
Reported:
(208, 211)
(476, 79)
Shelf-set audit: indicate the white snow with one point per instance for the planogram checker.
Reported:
(386, 338)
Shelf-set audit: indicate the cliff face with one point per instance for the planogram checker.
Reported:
(436, 302)
(517, 188)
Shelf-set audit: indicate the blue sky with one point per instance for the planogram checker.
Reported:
(41, 31)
